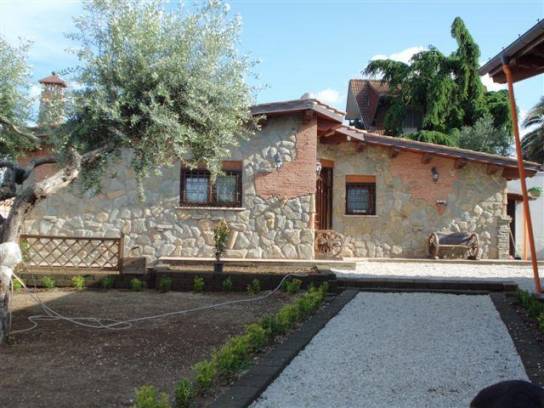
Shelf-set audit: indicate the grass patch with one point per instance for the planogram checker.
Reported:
(292, 286)
(534, 307)
(147, 396)
(236, 354)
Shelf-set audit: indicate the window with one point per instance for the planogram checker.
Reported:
(196, 188)
(360, 195)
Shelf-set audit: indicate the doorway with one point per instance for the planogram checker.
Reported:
(323, 199)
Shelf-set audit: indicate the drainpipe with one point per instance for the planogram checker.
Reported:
(521, 169)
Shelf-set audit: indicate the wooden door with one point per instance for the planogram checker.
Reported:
(323, 199)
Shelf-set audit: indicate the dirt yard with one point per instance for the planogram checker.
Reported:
(61, 365)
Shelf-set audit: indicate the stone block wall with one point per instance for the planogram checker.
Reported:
(275, 220)
(409, 205)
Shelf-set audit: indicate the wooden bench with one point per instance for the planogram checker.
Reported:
(466, 241)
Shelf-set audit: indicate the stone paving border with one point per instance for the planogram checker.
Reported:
(251, 385)
(523, 336)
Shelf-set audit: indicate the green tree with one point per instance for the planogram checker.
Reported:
(167, 83)
(445, 91)
(485, 137)
(532, 143)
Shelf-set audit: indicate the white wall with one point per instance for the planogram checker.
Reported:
(537, 215)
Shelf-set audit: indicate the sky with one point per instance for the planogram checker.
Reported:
(312, 46)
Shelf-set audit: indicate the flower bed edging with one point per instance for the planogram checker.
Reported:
(251, 385)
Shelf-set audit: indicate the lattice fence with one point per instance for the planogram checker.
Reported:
(49, 251)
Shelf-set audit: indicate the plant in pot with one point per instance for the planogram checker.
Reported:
(220, 237)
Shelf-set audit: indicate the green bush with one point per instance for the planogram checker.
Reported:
(78, 282)
(232, 356)
(184, 393)
(165, 284)
(292, 286)
(534, 307)
(148, 397)
(48, 283)
(198, 284)
(107, 282)
(254, 287)
(270, 324)
(227, 284)
(136, 285)
(205, 373)
(17, 286)
(257, 336)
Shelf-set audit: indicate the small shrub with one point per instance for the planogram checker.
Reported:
(165, 284)
(78, 282)
(540, 320)
(107, 282)
(136, 285)
(232, 356)
(198, 284)
(292, 286)
(148, 397)
(205, 373)
(254, 287)
(256, 336)
(221, 233)
(48, 282)
(184, 393)
(17, 286)
(227, 284)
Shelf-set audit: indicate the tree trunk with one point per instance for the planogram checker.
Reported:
(24, 203)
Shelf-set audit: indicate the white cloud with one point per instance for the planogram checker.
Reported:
(402, 56)
(490, 85)
(328, 96)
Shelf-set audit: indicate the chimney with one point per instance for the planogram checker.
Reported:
(51, 101)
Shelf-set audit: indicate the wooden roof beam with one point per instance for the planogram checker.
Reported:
(426, 158)
(460, 163)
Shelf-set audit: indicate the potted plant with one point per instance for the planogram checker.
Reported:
(220, 236)
(534, 192)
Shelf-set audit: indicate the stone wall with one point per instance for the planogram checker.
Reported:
(275, 220)
(409, 205)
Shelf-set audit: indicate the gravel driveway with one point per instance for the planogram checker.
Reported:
(400, 350)
(522, 274)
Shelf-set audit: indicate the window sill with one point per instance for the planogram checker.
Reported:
(361, 215)
(210, 208)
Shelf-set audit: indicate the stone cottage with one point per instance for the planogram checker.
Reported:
(304, 177)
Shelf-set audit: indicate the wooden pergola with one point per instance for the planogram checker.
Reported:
(522, 59)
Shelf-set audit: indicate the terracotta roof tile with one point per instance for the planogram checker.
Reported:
(53, 79)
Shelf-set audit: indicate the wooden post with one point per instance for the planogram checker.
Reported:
(521, 169)
(121, 253)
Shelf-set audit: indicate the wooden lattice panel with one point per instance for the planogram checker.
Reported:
(72, 252)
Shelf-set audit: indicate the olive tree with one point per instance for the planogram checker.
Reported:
(167, 83)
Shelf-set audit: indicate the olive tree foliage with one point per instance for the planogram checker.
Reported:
(444, 90)
(169, 84)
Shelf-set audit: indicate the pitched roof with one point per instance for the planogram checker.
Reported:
(524, 55)
(53, 79)
(298, 105)
(328, 112)
(363, 98)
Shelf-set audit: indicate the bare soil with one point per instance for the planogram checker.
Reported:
(61, 365)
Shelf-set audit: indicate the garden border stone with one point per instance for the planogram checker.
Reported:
(252, 383)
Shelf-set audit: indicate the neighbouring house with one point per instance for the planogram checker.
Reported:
(304, 177)
(520, 241)
(367, 104)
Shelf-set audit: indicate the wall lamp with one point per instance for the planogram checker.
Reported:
(278, 161)
(318, 167)
(435, 174)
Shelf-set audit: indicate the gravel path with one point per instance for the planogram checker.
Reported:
(400, 350)
(522, 274)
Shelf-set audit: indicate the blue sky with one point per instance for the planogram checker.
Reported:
(311, 45)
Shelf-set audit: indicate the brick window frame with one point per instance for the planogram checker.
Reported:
(230, 169)
(367, 183)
